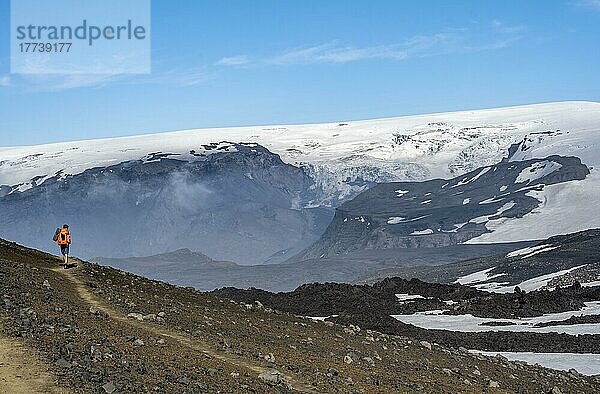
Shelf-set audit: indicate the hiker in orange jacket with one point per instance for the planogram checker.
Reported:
(63, 239)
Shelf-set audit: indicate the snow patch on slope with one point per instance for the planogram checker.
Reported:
(532, 284)
(530, 251)
(477, 277)
(422, 232)
(476, 177)
(435, 320)
(565, 208)
(586, 364)
(488, 218)
(408, 297)
(395, 220)
(543, 280)
(538, 170)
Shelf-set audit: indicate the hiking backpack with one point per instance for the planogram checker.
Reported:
(64, 238)
(56, 233)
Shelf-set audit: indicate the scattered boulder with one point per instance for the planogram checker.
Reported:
(109, 388)
(62, 363)
(574, 372)
(426, 345)
(137, 316)
(370, 361)
(273, 377)
(97, 311)
(149, 317)
(270, 358)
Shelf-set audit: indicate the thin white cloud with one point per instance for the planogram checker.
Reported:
(46, 64)
(39, 73)
(53, 82)
(233, 61)
(499, 44)
(192, 78)
(333, 52)
(177, 77)
(508, 29)
(589, 4)
(5, 80)
(451, 41)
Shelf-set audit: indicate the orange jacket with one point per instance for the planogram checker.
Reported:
(64, 238)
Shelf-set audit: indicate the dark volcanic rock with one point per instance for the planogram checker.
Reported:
(325, 299)
(371, 306)
(586, 319)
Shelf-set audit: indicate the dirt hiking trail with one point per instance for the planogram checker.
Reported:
(21, 372)
(195, 344)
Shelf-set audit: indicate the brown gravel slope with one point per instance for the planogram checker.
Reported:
(177, 340)
(21, 372)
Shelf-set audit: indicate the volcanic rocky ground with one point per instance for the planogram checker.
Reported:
(100, 330)
(370, 306)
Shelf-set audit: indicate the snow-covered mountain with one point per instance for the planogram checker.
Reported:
(343, 159)
(443, 212)
(343, 156)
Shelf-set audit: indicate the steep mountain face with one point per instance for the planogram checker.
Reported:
(556, 261)
(443, 212)
(233, 201)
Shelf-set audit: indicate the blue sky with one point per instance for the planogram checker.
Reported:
(225, 63)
